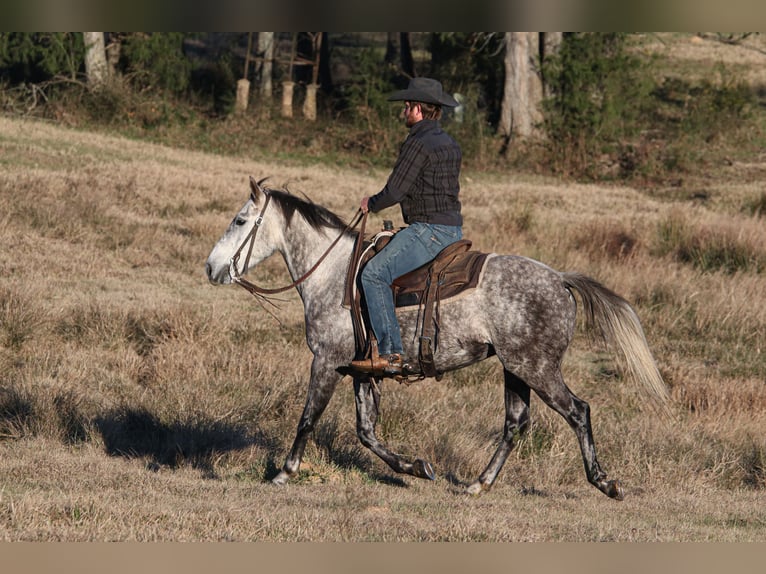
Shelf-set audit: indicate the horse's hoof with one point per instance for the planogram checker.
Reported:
(613, 489)
(475, 489)
(281, 479)
(423, 469)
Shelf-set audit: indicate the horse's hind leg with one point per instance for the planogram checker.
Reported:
(367, 395)
(516, 422)
(577, 414)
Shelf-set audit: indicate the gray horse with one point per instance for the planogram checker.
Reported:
(522, 311)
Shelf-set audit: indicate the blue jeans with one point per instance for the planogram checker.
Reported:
(410, 248)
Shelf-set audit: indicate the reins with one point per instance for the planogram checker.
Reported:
(254, 289)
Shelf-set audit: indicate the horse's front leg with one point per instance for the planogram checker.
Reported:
(324, 379)
(367, 393)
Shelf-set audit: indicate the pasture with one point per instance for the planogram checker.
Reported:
(140, 403)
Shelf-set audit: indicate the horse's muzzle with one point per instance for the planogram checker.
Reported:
(222, 277)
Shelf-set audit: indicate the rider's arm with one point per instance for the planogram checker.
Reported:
(409, 164)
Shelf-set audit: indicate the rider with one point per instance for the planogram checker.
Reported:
(424, 181)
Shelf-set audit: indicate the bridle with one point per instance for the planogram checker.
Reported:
(237, 278)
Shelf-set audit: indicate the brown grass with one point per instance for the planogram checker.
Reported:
(137, 402)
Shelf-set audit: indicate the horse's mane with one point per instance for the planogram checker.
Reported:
(315, 215)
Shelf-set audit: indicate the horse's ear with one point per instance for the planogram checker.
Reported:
(255, 188)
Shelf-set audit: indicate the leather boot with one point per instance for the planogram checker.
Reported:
(393, 364)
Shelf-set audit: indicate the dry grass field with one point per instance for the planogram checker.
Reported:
(140, 403)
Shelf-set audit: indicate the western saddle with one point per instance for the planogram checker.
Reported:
(454, 270)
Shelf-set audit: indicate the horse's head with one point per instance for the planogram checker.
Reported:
(236, 241)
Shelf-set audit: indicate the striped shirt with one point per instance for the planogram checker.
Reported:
(425, 178)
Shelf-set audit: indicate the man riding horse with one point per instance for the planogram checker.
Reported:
(425, 183)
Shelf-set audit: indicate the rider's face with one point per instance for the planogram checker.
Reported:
(412, 113)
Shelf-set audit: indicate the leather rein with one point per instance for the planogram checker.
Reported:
(237, 278)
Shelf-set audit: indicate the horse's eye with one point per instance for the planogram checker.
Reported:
(239, 221)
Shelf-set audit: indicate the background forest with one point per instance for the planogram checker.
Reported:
(598, 106)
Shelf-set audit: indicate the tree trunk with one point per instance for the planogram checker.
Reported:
(96, 69)
(408, 63)
(392, 48)
(325, 70)
(317, 51)
(113, 52)
(520, 111)
(266, 52)
(535, 85)
(551, 44)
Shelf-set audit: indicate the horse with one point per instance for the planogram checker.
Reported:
(522, 311)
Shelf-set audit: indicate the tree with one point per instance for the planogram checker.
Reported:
(156, 61)
(549, 46)
(407, 61)
(96, 69)
(266, 56)
(392, 48)
(398, 55)
(113, 53)
(521, 112)
(601, 97)
(522, 89)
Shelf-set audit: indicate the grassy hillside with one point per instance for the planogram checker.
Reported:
(137, 402)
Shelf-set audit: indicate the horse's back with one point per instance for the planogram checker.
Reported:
(516, 274)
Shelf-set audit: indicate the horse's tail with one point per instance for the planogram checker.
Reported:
(619, 324)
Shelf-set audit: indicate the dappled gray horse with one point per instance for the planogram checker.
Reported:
(522, 311)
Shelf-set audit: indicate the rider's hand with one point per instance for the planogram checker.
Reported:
(363, 205)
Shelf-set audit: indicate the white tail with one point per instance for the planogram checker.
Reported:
(620, 327)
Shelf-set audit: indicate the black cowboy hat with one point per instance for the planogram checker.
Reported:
(424, 90)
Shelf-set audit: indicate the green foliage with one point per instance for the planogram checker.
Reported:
(372, 123)
(600, 92)
(608, 109)
(469, 61)
(216, 83)
(705, 108)
(156, 61)
(40, 56)
(365, 96)
(469, 64)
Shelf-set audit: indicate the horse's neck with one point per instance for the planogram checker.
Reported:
(301, 251)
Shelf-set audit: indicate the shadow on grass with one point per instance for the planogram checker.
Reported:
(16, 413)
(130, 433)
(137, 433)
